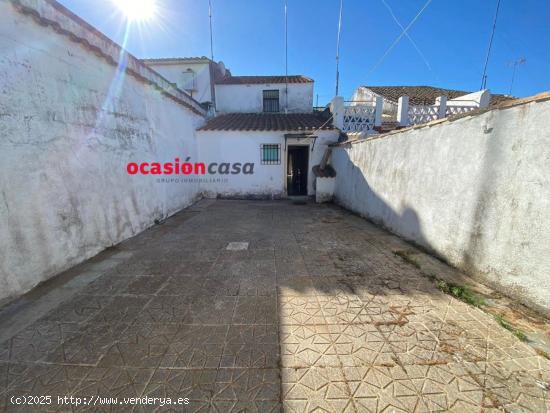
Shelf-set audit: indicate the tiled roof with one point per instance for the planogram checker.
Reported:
(201, 59)
(248, 80)
(268, 122)
(425, 95)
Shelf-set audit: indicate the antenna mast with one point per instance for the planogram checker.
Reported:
(515, 65)
(484, 77)
(338, 47)
(286, 56)
(211, 36)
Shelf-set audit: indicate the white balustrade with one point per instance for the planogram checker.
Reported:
(359, 118)
(423, 113)
(457, 110)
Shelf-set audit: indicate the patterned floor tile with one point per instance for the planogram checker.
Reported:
(300, 310)
(317, 315)
(316, 389)
(87, 345)
(255, 310)
(305, 346)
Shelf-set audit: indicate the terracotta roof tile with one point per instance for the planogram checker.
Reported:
(268, 122)
(249, 80)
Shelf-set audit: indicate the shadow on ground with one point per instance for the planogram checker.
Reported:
(318, 314)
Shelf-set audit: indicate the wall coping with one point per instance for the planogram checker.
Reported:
(504, 105)
(63, 21)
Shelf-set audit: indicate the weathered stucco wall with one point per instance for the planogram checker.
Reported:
(69, 124)
(249, 98)
(475, 190)
(268, 181)
(174, 72)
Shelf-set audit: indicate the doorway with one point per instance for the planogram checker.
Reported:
(296, 170)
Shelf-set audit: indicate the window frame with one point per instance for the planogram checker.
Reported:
(270, 159)
(270, 103)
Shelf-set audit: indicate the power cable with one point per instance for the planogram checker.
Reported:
(403, 33)
(426, 62)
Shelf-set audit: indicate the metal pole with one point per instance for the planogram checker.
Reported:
(338, 48)
(286, 56)
(211, 36)
(484, 76)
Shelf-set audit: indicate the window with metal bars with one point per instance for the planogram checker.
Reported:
(271, 100)
(270, 154)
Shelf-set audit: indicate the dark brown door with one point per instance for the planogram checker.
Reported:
(296, 183)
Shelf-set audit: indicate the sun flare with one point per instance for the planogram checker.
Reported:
(137, 10)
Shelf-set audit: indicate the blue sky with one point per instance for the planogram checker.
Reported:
(249, 37)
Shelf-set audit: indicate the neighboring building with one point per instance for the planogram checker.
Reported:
(273, 94)
(268, 121)
(195, 75)
(423, 103)
(418, 95)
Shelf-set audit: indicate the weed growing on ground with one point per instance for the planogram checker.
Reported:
(461, 293)
(518, 333)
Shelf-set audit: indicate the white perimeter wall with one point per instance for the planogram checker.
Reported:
(476, 191)
(249, 98)
(64, 191)
(242, 146)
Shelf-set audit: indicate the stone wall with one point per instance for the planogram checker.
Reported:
(72, 115)
(474, 190)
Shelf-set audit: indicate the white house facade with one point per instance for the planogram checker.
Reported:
(282, 148)
(247, 94)
(269, 122)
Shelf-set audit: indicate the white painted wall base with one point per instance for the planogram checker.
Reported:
(324, 189)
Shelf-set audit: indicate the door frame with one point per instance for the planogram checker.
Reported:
(308, 152)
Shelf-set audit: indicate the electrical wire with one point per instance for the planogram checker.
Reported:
(426, 62)
(484, 76)
(403, 33)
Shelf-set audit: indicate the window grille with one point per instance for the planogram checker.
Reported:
(270, 154)
(188, 80)
(271, 100)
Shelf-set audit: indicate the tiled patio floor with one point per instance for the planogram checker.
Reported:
(317, 314)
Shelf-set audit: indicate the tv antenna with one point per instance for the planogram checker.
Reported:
(514, 65)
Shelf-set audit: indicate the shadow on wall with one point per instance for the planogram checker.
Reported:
(482, 196)
(406, 222)
(485, 197)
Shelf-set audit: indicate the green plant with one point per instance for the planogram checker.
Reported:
(461, 293)
(518, 333)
